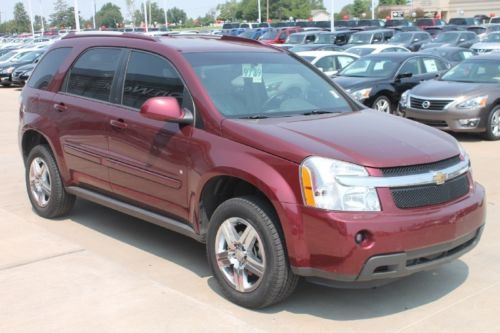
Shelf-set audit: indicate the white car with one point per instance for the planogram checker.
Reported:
(489, 44)
(329, 62)
(364, 50)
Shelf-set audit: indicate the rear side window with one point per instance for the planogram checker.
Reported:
(149, 76)
(47, 68)
(92, 74)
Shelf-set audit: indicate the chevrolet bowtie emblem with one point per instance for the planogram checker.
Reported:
(439, 178)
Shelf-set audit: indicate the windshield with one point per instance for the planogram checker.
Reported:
(360, 39)
(493, 38)
(361, 51)
(371, 68)
(477, 71)
(447, 37)
(7, 56)
(402, 37)
(270, 35)
(263, 84)
(31, 56)
(295, 39)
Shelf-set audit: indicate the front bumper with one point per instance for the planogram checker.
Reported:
(451, 119)
(401, 242)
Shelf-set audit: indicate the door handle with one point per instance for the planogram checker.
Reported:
(60, 107)
(118, 123)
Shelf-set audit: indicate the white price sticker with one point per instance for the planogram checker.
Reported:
(253, 72)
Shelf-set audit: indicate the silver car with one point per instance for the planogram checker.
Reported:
(489, 44)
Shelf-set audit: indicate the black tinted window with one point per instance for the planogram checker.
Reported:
(92, 74)
(150, 76)
(45, 70)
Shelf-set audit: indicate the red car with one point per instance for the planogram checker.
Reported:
(278, 35)
(250, 150)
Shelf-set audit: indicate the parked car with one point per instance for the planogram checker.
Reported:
(370, 23)
(316, 47)
(491, 43)
(363, 50)
(413, 41)
(391, 23)
(464, 21)
(325, 41)
(378, 80)
(299, 38)
(465, 99)
(278, 35)
(13, 56)
(453, 54)
(378, 36)
(453, 38)
(435, 31)
(253, 33)
(6, 70)
(495, 20)
(428, 22)
(279, 171)
(328, 62)
(21, 74)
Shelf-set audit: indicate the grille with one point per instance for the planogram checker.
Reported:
(432, 123)
(427, 195)
(420, 168)
(434, 104)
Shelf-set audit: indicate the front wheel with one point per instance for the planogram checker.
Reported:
(493, 124)
(247, 254)
(382, 104)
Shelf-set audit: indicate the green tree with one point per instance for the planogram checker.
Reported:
(21, 18)
(361, 6)
(176, 15)
(109, 16)
(228, 11)
(37, 22)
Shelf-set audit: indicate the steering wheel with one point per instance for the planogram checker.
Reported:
(275, 101)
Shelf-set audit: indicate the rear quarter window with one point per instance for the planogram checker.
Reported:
(47, 68)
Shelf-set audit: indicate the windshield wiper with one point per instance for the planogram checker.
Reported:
(255, 116)
(314, 112)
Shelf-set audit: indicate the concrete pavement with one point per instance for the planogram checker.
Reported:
(101, 271)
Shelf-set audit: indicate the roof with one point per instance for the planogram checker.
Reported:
(374, 31)
(377, 46)
(324, 53)
(207, 43)
(401, 56)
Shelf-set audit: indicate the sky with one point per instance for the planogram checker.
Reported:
(193, 8)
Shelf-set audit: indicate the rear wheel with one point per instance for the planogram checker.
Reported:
(493, 124)
(382, 104)
(247, 253)
(44, 184)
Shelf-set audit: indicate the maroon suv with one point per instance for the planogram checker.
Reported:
(251, 150)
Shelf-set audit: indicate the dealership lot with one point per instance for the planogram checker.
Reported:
(99, 270)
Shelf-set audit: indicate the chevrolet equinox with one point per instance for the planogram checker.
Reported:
(251, 150)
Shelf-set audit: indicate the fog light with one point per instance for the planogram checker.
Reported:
(360, 237)
(473, 122)
(364, 238)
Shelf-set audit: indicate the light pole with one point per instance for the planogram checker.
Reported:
(93, 16)
(31, 20)
(332, 17)
(373, 9)
(258, 8)
(267, 11)
(166, 16)
(145, 16)
(77, 16)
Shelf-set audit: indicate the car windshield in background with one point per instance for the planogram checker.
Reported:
(402, 37)
(269, 35)
(493, 38)
(260, 85)
(30, 56)
(361, 51)
(449, 37)
(7, 56)
(360, 39)
(476, 71)
(371, 68)
(295, 39)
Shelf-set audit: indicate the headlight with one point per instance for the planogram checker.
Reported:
(361, 94)
(320, 188)
(474, 103)
(405, 98)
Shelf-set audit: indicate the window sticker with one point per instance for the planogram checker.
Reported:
(253, 72)
(430, 65)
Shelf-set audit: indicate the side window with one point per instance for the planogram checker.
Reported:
(149, 76)
(48, 66)
(341, 39)
(92, 74)
(411, 66)
(283, 36)
(310, 38)
(387, 36)
(326, 63)
(377, 38)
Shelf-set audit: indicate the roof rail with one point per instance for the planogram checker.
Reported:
(108, 34)
(240, 39)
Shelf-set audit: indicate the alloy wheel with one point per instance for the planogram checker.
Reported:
(383, 105)
(39, 181)
(495, 123)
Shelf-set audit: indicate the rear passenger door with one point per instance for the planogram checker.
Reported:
(83, 106)
(148, 158)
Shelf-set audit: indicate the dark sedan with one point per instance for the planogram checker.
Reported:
(379, 80)
(453, 38)
(22, 74)
(325, 41)
(7, 69)
(413, 41)
(454, 54)
(465, 99)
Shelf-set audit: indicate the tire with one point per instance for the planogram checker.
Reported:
(382, 104)
(264, 277)
(493, 125)
(44, 184)
(5, 84)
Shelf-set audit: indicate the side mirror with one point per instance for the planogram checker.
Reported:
(166, 109)
(416, 40)
(404, 75)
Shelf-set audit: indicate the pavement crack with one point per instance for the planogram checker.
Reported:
(28, 262)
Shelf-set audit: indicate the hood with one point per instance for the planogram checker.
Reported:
(488, 46)
(369, 138)
(450, 89)
(355, 83)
